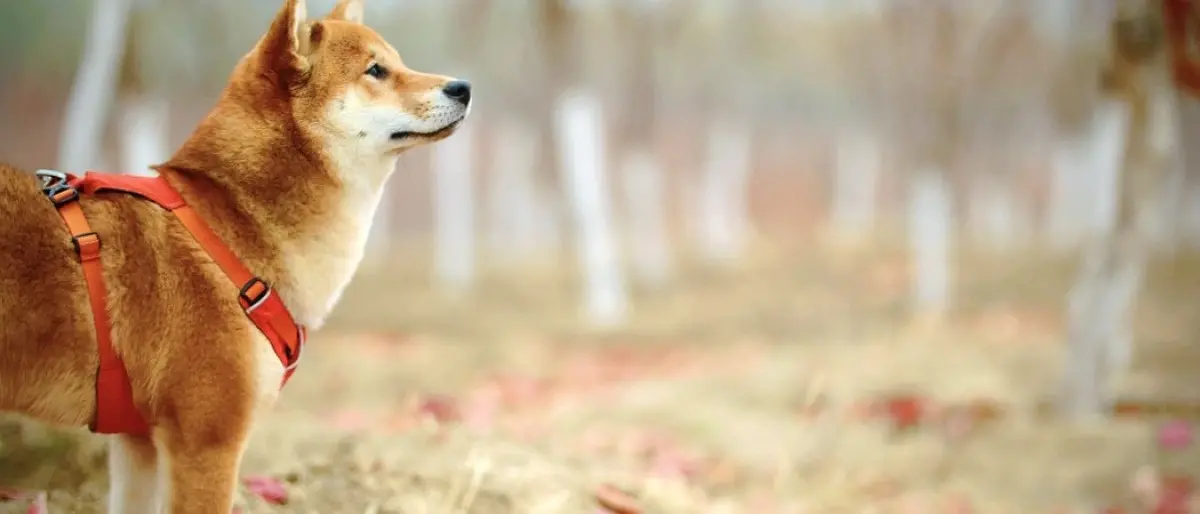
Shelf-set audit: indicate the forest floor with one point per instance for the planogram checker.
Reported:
(796, 386)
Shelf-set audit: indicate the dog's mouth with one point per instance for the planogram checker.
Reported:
(404, 134)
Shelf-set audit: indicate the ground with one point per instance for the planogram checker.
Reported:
(798, 385)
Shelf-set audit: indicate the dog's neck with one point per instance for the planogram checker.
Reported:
(296, 215)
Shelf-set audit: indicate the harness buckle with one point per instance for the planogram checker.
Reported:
(50, 178)
(86, 243)
(252, 299)
(56, 187)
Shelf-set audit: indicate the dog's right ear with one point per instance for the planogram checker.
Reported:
(279, 50)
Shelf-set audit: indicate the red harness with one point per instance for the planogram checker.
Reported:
(115, 409)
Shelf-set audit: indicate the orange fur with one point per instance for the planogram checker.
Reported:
(287, 169)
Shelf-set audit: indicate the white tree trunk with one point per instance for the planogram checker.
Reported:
(646, 220)
(929, 236)
(724, 226)
(578, 123)
(856, 180)
(1189, 208)
(94, 86)
(1104, 157)
(1102, 301)
(1085, 173)
(1070, 178)
(454, 214)
(143, 127)
(1165, 139)
(514, 231)
(995, 221)
(1099, 332)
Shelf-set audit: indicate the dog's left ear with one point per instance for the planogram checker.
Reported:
(348, 10)
(280, 49)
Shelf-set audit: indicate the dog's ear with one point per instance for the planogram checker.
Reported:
(348, 10)
(280, 49)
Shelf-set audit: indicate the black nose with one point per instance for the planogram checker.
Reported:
(458, 90)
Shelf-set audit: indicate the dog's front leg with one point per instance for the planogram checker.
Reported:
(201, 470)
(133, 476)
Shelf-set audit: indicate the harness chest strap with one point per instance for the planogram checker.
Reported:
(115, 409)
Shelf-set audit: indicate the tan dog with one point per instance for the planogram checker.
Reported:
(288, 169)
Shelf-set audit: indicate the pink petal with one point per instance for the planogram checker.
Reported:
(269, 489)
(38, 506)
(1175, 435)
(442, 409)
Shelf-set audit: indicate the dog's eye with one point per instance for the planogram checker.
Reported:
(377, 71)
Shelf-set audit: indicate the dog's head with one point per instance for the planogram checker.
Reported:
(347, 89)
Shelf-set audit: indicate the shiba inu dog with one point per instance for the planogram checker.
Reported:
(285, 173)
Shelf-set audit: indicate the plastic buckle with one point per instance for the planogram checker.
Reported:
(249, 304)
(84, 239)
(56, 187)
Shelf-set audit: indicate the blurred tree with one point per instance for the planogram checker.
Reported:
(1136, 77)
(143, 108)
(860, 141)
(923, 97)
(721, 198)
(642, 25)
(94, 87)
(454, 166)
(578, 148)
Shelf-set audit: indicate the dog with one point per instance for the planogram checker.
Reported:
(287, 170)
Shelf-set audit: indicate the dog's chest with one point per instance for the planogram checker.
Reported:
(324, 264)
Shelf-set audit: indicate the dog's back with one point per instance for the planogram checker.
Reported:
(154, 272)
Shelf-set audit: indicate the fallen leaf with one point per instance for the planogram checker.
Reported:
(905, 412)
(616, 501)
(1175, 495)
(269, 489)
(38, 505)
(442, 409)
(1175, 435)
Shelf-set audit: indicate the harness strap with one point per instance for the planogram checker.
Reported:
(115, 409)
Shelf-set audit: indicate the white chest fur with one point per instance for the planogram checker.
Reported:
(323, 264)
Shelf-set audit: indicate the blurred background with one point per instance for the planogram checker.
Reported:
(970, 223)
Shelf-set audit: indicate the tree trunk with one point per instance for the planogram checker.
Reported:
(453, 168)
(143, 126)
(1083, 198)
(94, 87)
(994, 214)
(579, 126)
(929, 211)
(722, 198)
(642, 176)
(646, 220)
(855, 185)
(573, 136)
(1102, 300)
(514, 218)
(724, 219)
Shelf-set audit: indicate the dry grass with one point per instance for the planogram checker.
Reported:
(737, 393)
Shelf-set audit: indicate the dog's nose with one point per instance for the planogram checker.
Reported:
(459, 90)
